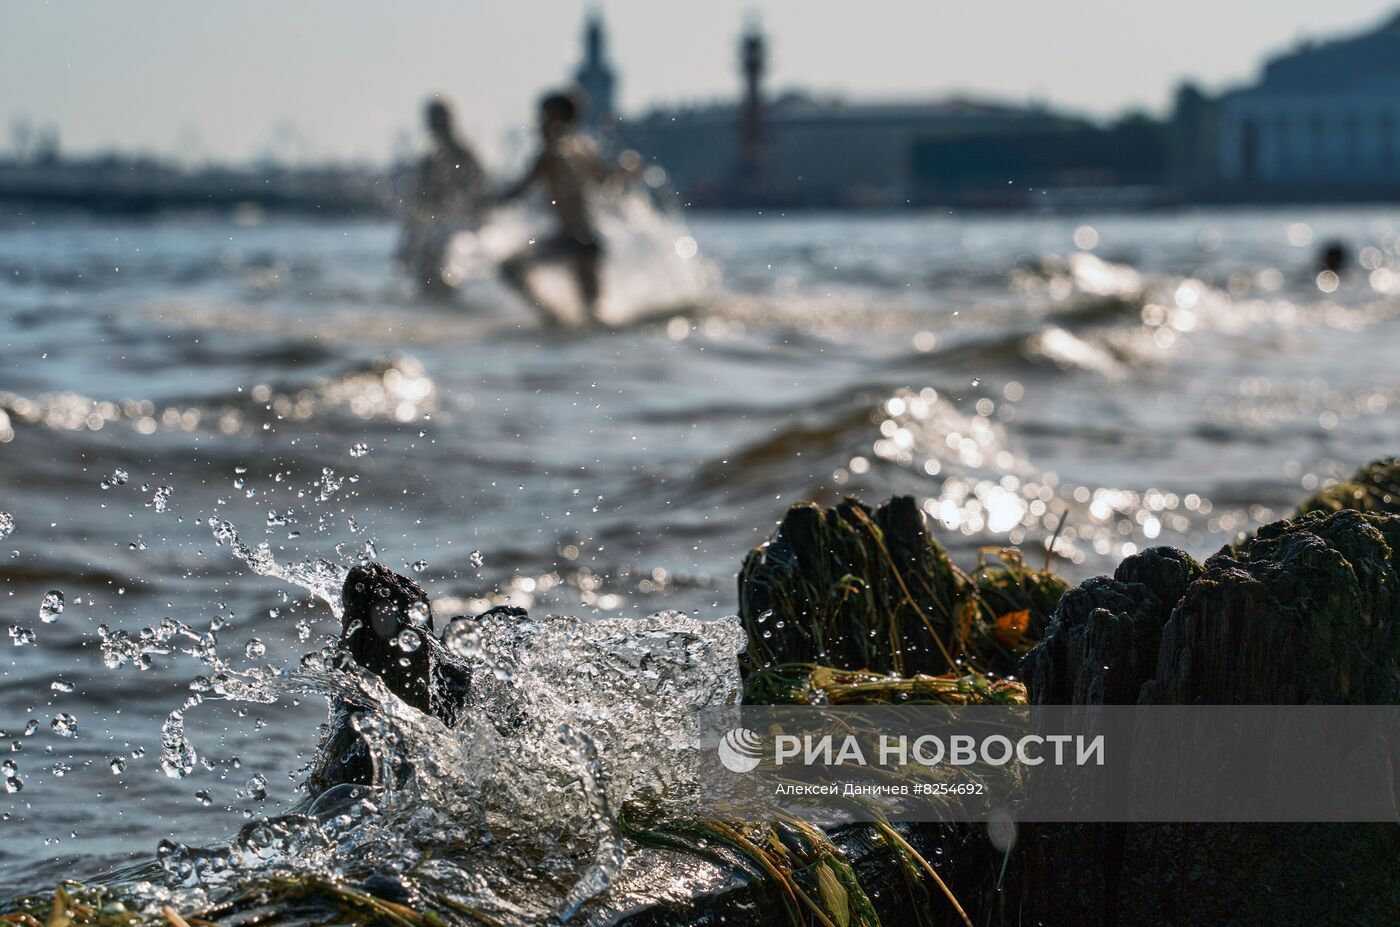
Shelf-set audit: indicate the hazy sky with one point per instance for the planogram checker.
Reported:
(225, 79)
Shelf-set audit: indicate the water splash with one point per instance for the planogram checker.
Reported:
(510, 810)
(321, 578)
(177, 754)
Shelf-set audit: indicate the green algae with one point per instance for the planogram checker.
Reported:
(1375, 487)
(860, 589)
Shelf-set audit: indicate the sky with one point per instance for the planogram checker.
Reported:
(346, 78)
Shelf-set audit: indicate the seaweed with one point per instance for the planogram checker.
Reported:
(861, 589)
(1374, 487)
(812, 684)
(283, 900)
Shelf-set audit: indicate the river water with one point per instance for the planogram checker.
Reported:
(1172, 378)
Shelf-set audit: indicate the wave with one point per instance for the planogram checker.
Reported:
(396, 388)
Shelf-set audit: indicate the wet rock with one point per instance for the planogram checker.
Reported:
(1305, 612)
(1373, 488)
(862, 589)
(389, 886)
(386, 627)
(1103, 639)
(378, 619)
(830, 587)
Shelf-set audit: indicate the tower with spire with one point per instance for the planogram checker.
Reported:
(753, 62)
(595, 77)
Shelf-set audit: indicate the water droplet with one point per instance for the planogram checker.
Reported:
(161, 500)
(478, 559)
(418, 566)
(255, 648)
(177, 756)
(21, 636)
(202, 796)
(51, 607)
(7, 525)
(418, 614)
(409, 641)
(65, 725)
(329, 483)
(61, 685)
(257, 787)
(117, 764)
(359, 449)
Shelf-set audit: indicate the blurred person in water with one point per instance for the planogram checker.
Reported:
(447, 198)
(571, 169)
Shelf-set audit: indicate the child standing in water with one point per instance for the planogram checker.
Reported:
(570, 168)
(447, 198)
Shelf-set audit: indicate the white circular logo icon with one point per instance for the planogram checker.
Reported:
(739, 750)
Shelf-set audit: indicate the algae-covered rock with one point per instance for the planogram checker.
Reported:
(1103, 639)
(1373, 488)
(1007, 609)
(1306, 611)
(862, 589)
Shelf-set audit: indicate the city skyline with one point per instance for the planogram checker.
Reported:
(347, 81)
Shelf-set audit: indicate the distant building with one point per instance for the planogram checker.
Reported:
(800, 150)
(595, 79)
(753, 63)
(1322, 122)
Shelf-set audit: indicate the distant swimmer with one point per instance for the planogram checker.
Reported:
(1333, 256)
(447, 198)
(571, 169)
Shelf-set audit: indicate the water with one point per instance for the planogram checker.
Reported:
(203, 424)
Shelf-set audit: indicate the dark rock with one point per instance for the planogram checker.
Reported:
(376, 605)
(862, 589)
(1102, 643)
(389, 886)
(1373, 488)
(1305, 612)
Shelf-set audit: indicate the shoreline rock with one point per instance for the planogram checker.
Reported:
(1374, 487)
(1306, 611)
(865, 602)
